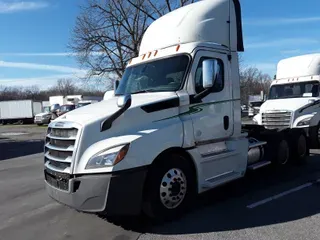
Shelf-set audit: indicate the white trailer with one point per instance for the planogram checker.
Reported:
(294, 100)
(19, 111)
(76, 99)
(173, 127)
(57, 100)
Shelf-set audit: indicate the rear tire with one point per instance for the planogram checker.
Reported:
(299, 148)
(39, 124)
(315, 136)
(170, 188)
(282, 156)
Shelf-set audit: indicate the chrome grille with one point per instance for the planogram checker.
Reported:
(276, 119)
(60, 147)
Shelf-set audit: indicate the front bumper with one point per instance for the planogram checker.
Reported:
(114, 194)
(42, 121)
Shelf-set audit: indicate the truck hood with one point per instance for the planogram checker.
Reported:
(290, 104)
(42, 114)
(105, 108)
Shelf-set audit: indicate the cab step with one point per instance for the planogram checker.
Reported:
(259, 165)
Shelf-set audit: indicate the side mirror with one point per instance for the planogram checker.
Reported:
(210, 71)
(124, 100)
(116, 84)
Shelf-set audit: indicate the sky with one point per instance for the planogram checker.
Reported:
(34, 35)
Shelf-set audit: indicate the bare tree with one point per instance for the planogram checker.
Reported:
(108, 33)
(64, 87)
(252, 82)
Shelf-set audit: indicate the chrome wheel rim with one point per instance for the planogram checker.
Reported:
(173, 188)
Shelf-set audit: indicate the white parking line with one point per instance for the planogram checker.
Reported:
(269, 199)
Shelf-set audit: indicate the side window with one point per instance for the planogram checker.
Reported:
(219, 84)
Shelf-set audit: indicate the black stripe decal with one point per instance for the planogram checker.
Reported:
(108, 122)
(159, 106)
(309, 105)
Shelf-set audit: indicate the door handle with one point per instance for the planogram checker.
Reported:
(226, 122)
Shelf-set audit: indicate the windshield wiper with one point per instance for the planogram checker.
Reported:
(144, 91)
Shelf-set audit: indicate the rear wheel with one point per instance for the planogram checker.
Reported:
(170, 188)
(283, 153)
(299, 148)
(315, 136)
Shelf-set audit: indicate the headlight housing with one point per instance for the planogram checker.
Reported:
(108, 157)
(304, 122)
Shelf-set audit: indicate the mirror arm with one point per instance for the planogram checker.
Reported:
(106, 124)
(202, 94)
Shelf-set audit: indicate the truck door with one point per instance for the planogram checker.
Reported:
(214, 118)
(213, 123)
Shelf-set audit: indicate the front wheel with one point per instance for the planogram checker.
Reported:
(170, 188)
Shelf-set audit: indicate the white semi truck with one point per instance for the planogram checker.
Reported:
(172, 129)
(294, 100)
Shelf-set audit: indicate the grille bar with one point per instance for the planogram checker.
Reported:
(50, 157)
(60, 138)
(276, 119)
(69, 149)
(60, 147)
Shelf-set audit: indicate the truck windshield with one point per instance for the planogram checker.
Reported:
(156, 76)
(295, 90)
(82, 104)
(66, 108)
(46, 109)
(256, 104)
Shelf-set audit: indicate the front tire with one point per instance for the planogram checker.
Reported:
(170, 188)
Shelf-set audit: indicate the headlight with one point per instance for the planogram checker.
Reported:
(109, 157)
(305, 122)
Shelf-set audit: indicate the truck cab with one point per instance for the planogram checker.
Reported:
(171, 130)
(293, 100)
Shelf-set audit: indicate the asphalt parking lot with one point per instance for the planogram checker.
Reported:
(267, 204)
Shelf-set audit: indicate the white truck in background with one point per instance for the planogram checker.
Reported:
(21, 111)
(45, 116)
(294, 101)
(45, 105)
(86, 100)
(57, 100)
(254, 104)
(172, 129)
